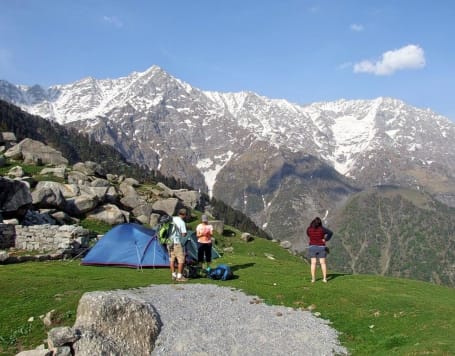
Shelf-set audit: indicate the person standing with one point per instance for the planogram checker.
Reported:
(204, 233)
(318, 235)
(176, 249)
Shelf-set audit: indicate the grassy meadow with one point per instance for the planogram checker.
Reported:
(374, 315)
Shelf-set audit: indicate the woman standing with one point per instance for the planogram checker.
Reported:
(318, 235)
(204, 233)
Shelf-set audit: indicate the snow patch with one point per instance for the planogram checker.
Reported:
(210, 170)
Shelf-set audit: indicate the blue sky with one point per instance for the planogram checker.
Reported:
(302, 51)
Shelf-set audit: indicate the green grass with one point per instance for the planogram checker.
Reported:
(375, 315)
(30, 170)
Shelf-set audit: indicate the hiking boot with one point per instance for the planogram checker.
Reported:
(181, 279)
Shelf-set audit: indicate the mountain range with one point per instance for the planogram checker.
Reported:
(278, 162)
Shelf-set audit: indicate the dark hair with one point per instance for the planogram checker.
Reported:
(316, 222)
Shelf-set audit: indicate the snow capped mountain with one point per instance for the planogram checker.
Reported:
(337, 132)
(213, 139)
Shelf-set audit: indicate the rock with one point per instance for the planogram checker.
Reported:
(246, 236)
(115, 323)
(218, 225)
(89, 168)
(169, 206)
(154, 218)
(35, 152)
(49, 194)
(36, 352)
(14, 197)
(62, 336)
(286, 244)
(8, 139)
(58, 171)
(110, 214)
(190, 198)
(75, 177)
(80, 205)
(48, 318)
(16, 171)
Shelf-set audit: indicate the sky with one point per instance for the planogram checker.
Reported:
(303, 51)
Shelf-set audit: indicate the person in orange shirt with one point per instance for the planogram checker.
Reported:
(204, 233)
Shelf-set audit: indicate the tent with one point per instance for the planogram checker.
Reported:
(128, 245)
(191, 247)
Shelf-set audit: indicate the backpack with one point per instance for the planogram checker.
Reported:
(221, 272)
(193, 271)
(165, 229)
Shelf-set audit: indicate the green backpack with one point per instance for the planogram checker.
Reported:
(165, 229)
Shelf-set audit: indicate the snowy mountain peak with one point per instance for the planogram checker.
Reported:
(343, 133)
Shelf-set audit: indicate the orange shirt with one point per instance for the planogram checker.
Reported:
(204, 233)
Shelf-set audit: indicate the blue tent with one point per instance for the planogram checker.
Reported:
(129, 245)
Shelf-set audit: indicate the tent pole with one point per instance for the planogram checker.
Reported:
(139, 265)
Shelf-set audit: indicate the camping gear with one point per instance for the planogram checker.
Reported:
(128, 245)
(220, 272)
(165, 229)
(194, 271)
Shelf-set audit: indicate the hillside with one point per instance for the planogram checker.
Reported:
(393, 236)
(77, 147)
(375, 315)
(393, 231)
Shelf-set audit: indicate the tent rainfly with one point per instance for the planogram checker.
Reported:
(128, 245)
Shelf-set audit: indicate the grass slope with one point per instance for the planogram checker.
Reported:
(375, 315)
(396, 232)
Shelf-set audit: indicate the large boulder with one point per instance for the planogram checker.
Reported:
(169, 206)
(189, 198)
(115, 323)
(80, 205)
(109, 214)
(57, 171)
(131, 199)
(15, 197)
(75, 177)
(89, 168)
(7, 139)
(35, 152)
(48, 194)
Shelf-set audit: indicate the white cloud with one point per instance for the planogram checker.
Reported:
(408, 57)
(113, 20)
(356, 27)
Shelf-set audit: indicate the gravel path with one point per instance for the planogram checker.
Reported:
(205, 319)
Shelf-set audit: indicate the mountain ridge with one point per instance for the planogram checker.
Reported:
(210, 139)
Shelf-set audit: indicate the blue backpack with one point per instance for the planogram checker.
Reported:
(220, 272)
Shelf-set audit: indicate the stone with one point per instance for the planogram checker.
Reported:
(14, 196)
(105, 320)
(110, 214)
(62, 336)
(35, 152)
(168, 206)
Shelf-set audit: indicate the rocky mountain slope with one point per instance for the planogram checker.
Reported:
(278, 162)
(392, 231)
